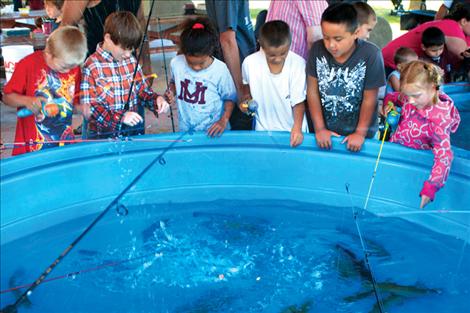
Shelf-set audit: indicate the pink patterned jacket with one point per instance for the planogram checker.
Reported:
(427, 129)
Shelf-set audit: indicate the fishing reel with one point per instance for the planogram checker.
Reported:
(389, 123)
(251, 107)
(48, 109)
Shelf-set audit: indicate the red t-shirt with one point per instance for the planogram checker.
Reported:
(32, 77)
(412, 39)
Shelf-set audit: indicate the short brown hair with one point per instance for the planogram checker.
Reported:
(124, 29)
(402, 54)
(274, 34)
(57, 3)
(69, 44)
(364, 12)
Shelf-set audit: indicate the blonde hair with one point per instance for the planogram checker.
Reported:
(421, 73)
(69, 44)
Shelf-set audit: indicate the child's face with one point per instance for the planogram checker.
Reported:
(338, 40)
(57, 64)
(116, 51)
(433, 51)
(276, 55)
(364, 30)
(421, 96)
(52, 11)
(198, 62)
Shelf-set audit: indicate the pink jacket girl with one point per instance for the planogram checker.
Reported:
(427, 119)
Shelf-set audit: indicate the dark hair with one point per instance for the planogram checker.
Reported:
(364, 12)
(199, 37)
(124, 29)
(402, 54)
(433, 36)
(341, 13)
(274, 34)
(460, 11)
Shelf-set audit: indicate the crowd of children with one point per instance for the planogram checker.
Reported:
(339, 83)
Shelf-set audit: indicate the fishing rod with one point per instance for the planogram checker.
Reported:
(141, 48)
(366, 258)
(12, 308)
(160, 33)
(11, 145)
(392, 119)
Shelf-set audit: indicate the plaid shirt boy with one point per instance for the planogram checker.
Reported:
(105, 88)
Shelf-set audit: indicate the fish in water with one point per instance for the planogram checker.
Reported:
(13, 282)
(393, 293)
(233, 228)
(304, 308)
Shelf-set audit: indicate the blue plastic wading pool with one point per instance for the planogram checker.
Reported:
(242, 223)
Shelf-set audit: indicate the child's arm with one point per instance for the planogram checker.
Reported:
(369, 102)
(443, 156)
(99, 109)
(322, 134)
(394, 82)
(296, 136)
(170, 93)
(34, 104)
(244, 97)
(219, 127)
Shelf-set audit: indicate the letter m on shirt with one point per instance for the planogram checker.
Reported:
(198, 96)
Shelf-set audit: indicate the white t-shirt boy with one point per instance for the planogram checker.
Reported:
(276, 94)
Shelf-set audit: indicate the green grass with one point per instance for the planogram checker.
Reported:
(254, 13)
(385, 13)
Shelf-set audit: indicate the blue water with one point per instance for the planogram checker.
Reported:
(240, 256)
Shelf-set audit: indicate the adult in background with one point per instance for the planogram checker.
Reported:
(456, 28)
(446, 7)
(237, 40)
(303, 18)
(95, 12)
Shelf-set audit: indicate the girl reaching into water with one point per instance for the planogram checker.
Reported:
(427, 119)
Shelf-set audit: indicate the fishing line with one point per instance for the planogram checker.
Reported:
(462, 251)
(165, 68)
(83, 271)
(12, 308)
(400, 213)
(364, 250)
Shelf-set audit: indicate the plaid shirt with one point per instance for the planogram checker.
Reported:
(105, 88)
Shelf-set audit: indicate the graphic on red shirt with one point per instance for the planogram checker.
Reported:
(33, 78)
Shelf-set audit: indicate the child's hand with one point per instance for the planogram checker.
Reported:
(424, 201)
(170, 97)
(243, 106)
(296, 137)
(217, 128)
(354, 141)
(131, 118)
(323, 138)
(35, 104)
(162, 105)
